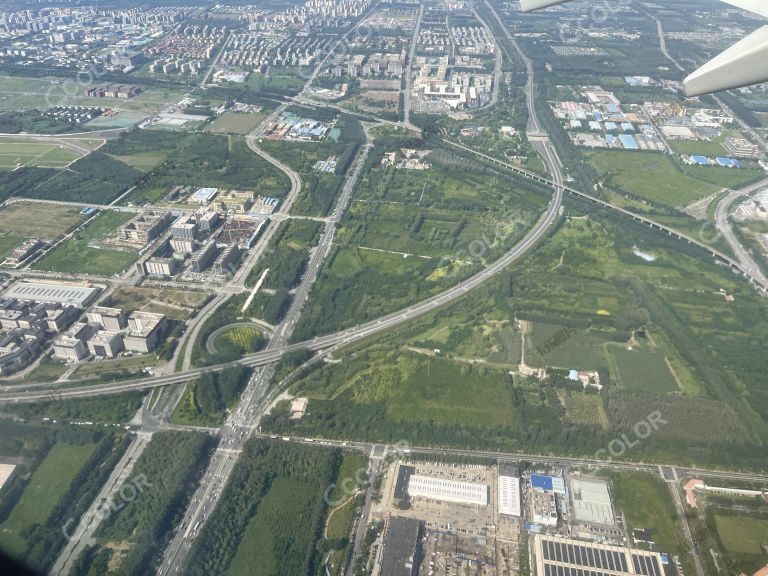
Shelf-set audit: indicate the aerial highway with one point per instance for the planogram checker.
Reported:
(719, 257)
(256, 396)
(724, 227)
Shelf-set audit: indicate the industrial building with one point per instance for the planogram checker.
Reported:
(71, 345)
(127, 59)
(66, 295)
(207, 221)
(145, 329)
(402, 547)
(509, 500)
(122, 91)
(58, 318)
(204, 196)
(144, 227)
(161, 267)
(591, 502)
(109, 319)
(27, 249)
(184, 228)
(105, 344)
(27, 327)
(18, 348)
(544, 505)
(182, 247)
(203, 258)
(234, 202)
(226, 261)
(559, 556)
(550, 484)
(447, 490)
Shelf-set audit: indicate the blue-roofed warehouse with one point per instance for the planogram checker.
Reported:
(728, 162)
(548, 483)
(629, 142)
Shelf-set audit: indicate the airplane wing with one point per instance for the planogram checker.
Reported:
(744, 64)
(530, 5)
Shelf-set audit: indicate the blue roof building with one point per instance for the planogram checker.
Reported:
(629, 142)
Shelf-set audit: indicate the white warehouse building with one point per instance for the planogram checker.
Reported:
(509, 496)
(448, 490)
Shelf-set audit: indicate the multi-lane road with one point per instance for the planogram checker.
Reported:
(724, 227)
(256, 397)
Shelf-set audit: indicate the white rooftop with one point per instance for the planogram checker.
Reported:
(591, 501)
(78, 296)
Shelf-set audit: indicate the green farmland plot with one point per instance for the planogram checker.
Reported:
(49, 482)
(74, 257)
(661, 179)
(743, 535)
(78, 255)
(37, 220)
(20, 152)
(579, 350)
(646, 503)
(642, 369)
(8, 244)
(271, 514)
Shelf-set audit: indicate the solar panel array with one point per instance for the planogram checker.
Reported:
(570, 558)
(586, 556)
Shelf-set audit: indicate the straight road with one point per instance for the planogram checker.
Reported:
(409, 68)
(82, 535)
(241, 422)
(549, 459)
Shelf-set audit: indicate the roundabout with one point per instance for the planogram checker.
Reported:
(242, 335)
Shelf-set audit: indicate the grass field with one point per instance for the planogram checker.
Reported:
(742, 535)
(175, 304)
(647, 504)
(48, 370)
(75, 257)
(104, 224)
(697, 147)
(188, 413)
(585, 409)
(37, 220)
(18, 152)
(8, 244)
(19, 93)
(642, 369)
(660, 179)
(234, 123)
(581, 350)
(420, 393)
(281, 79)
(144, 162)
(242, 337)
(49, 482)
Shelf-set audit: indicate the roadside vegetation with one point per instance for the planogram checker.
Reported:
(271, 515)
(659, 334)
(131, 539)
